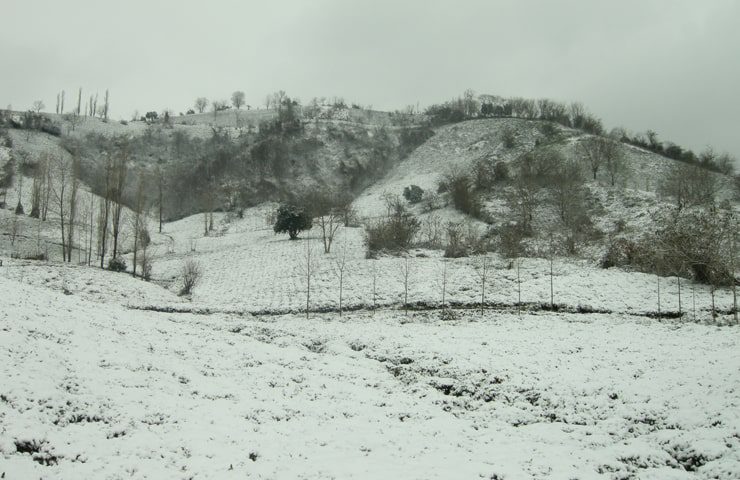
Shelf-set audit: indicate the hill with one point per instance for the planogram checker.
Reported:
(511, 356)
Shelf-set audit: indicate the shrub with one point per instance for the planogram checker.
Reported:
(394, 233)
(509, 138)
(691, 243)
(463, 197)
(117, 264)
(483, 173)
(549, 130)
(191, 274)
(501, 172)
(510, 240)
(413, 193)
(463, 241)
(455, 246)
(145, 265)
(292, 219)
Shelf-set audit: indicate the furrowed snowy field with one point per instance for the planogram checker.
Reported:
(94, 384)
(96, 390)
(249, 268)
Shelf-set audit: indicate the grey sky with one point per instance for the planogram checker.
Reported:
(673, 66)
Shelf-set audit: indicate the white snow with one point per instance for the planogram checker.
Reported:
(100, 391)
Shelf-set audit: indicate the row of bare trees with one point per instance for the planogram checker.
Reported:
(90, 109)
(56, 189)
(484, 268)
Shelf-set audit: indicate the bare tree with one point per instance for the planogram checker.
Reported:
(689, 185)
(201, 103)
(105, 205)
(442, 282)
(616, 165)
(551, 253)
(62, 174)
(106, 106)
(237, 99)
(518, 262)
(145, 259)
(90, 225)
(191, 273)
(57, 108)
(38, 105)
(79, 102)
(72, 119)
(594, 151)
(482, 269)
(23, 155)
(406, 269)
(566, 185)
(325, 208)
(61, 105)
(308, 266)
(733, 230)
(160, 190)
(374, 277)
(46, 198)
(120, 171)
(340, 261)
(523, 201)
(137, 222)
(15, 229)
(74, 188)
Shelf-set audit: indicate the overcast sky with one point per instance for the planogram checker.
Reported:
(672, 66)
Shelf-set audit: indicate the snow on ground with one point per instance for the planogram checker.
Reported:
(93, 390)
(89, 283)
(453, 148)
(247, 267)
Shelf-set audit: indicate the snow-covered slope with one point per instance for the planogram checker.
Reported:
(93, 390)
(249, 268)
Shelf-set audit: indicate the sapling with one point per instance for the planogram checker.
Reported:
(552, 296)
(405, 276)
(482, 269)
(519, 286)
(341, 264)
(374, 274)
(307, 267)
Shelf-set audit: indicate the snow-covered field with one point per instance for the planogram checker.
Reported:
(95, 390)
(249, 268)
(101, 378)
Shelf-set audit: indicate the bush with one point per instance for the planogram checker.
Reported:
(511, 237)
(509, 138)
(483, 174)
(117, 264)
(691, 243)
(463, 241)
(463, 197)
(455, 246)
(292, 219)
(395, 233)
(413, 193)
(145, 265)
(501, 172)
(191, 274)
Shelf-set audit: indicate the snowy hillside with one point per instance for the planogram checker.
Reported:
(288, 362)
